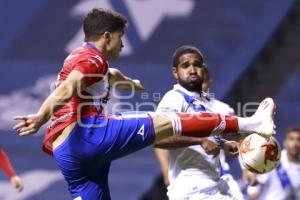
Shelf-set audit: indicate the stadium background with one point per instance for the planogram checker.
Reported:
(251, 48)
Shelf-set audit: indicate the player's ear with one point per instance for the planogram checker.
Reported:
(107, 36)
(174, 71)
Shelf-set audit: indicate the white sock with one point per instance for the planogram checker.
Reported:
(247, 124)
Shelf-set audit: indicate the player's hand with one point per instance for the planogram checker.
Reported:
(249, 178)
(138, 85)
(231, 147)
(29, 124)
(17, 183)
(210, 147)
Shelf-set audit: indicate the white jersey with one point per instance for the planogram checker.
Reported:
(220, 107)
(191, 170)
(271, 187)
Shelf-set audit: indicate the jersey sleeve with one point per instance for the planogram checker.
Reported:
(5, 164)
(171, 102)
(221, 107)
(93, 69)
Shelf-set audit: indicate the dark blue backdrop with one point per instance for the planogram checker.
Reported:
(35, 37)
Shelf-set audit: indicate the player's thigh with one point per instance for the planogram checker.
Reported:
(162, 125)
(127, 133)
(110, 137)
(87, 177)
(92, 191)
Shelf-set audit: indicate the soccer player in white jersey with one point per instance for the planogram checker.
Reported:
(195, 171)
(282, 183)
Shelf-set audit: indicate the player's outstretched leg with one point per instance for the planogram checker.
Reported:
(262, 122)
(205, 124)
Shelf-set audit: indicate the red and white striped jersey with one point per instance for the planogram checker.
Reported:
(90, 62)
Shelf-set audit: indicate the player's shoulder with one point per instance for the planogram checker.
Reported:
(221, 107)
(220, 103)
(171, 101)
(85, 54)
(173, 95)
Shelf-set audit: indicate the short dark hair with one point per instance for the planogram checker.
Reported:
(100, 20)
(292, 129)
(184, 50)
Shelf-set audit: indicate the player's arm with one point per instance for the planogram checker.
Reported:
(163, 159)
(120, 81)
(178, 142)
(10, 172)
(229, 146)
(6, 165)
(209, 146)
(59, 97)
(173, 102)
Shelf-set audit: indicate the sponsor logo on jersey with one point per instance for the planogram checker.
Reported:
(142, 132)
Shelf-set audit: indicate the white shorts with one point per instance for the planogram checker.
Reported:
(215, 192)
(233, 187)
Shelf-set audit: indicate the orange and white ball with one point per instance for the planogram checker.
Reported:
(259, 154)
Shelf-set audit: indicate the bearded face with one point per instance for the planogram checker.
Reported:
(189, 72)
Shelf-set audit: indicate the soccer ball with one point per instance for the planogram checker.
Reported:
(259, 154)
